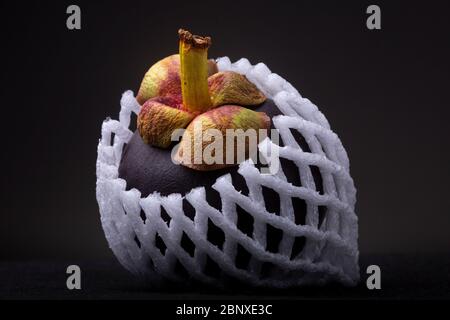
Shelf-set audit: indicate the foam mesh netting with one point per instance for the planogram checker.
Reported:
(153, 237)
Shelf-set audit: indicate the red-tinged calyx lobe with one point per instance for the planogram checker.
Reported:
(186, 89)
(157, 121)
(215, 139)
(229, 87)
(161, 79)
(235, 117)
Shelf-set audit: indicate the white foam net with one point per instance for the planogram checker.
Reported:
(147, 244)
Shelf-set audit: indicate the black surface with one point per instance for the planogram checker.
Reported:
(384, 92)
(403, 277)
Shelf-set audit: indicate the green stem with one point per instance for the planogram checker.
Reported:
(194, 71)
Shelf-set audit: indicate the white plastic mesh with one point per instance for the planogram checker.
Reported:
(330, 251)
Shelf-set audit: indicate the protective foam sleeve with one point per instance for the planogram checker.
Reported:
(153, 237)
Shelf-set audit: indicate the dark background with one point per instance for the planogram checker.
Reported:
(385, 93)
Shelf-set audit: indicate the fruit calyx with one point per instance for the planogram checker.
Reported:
(187, 88)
